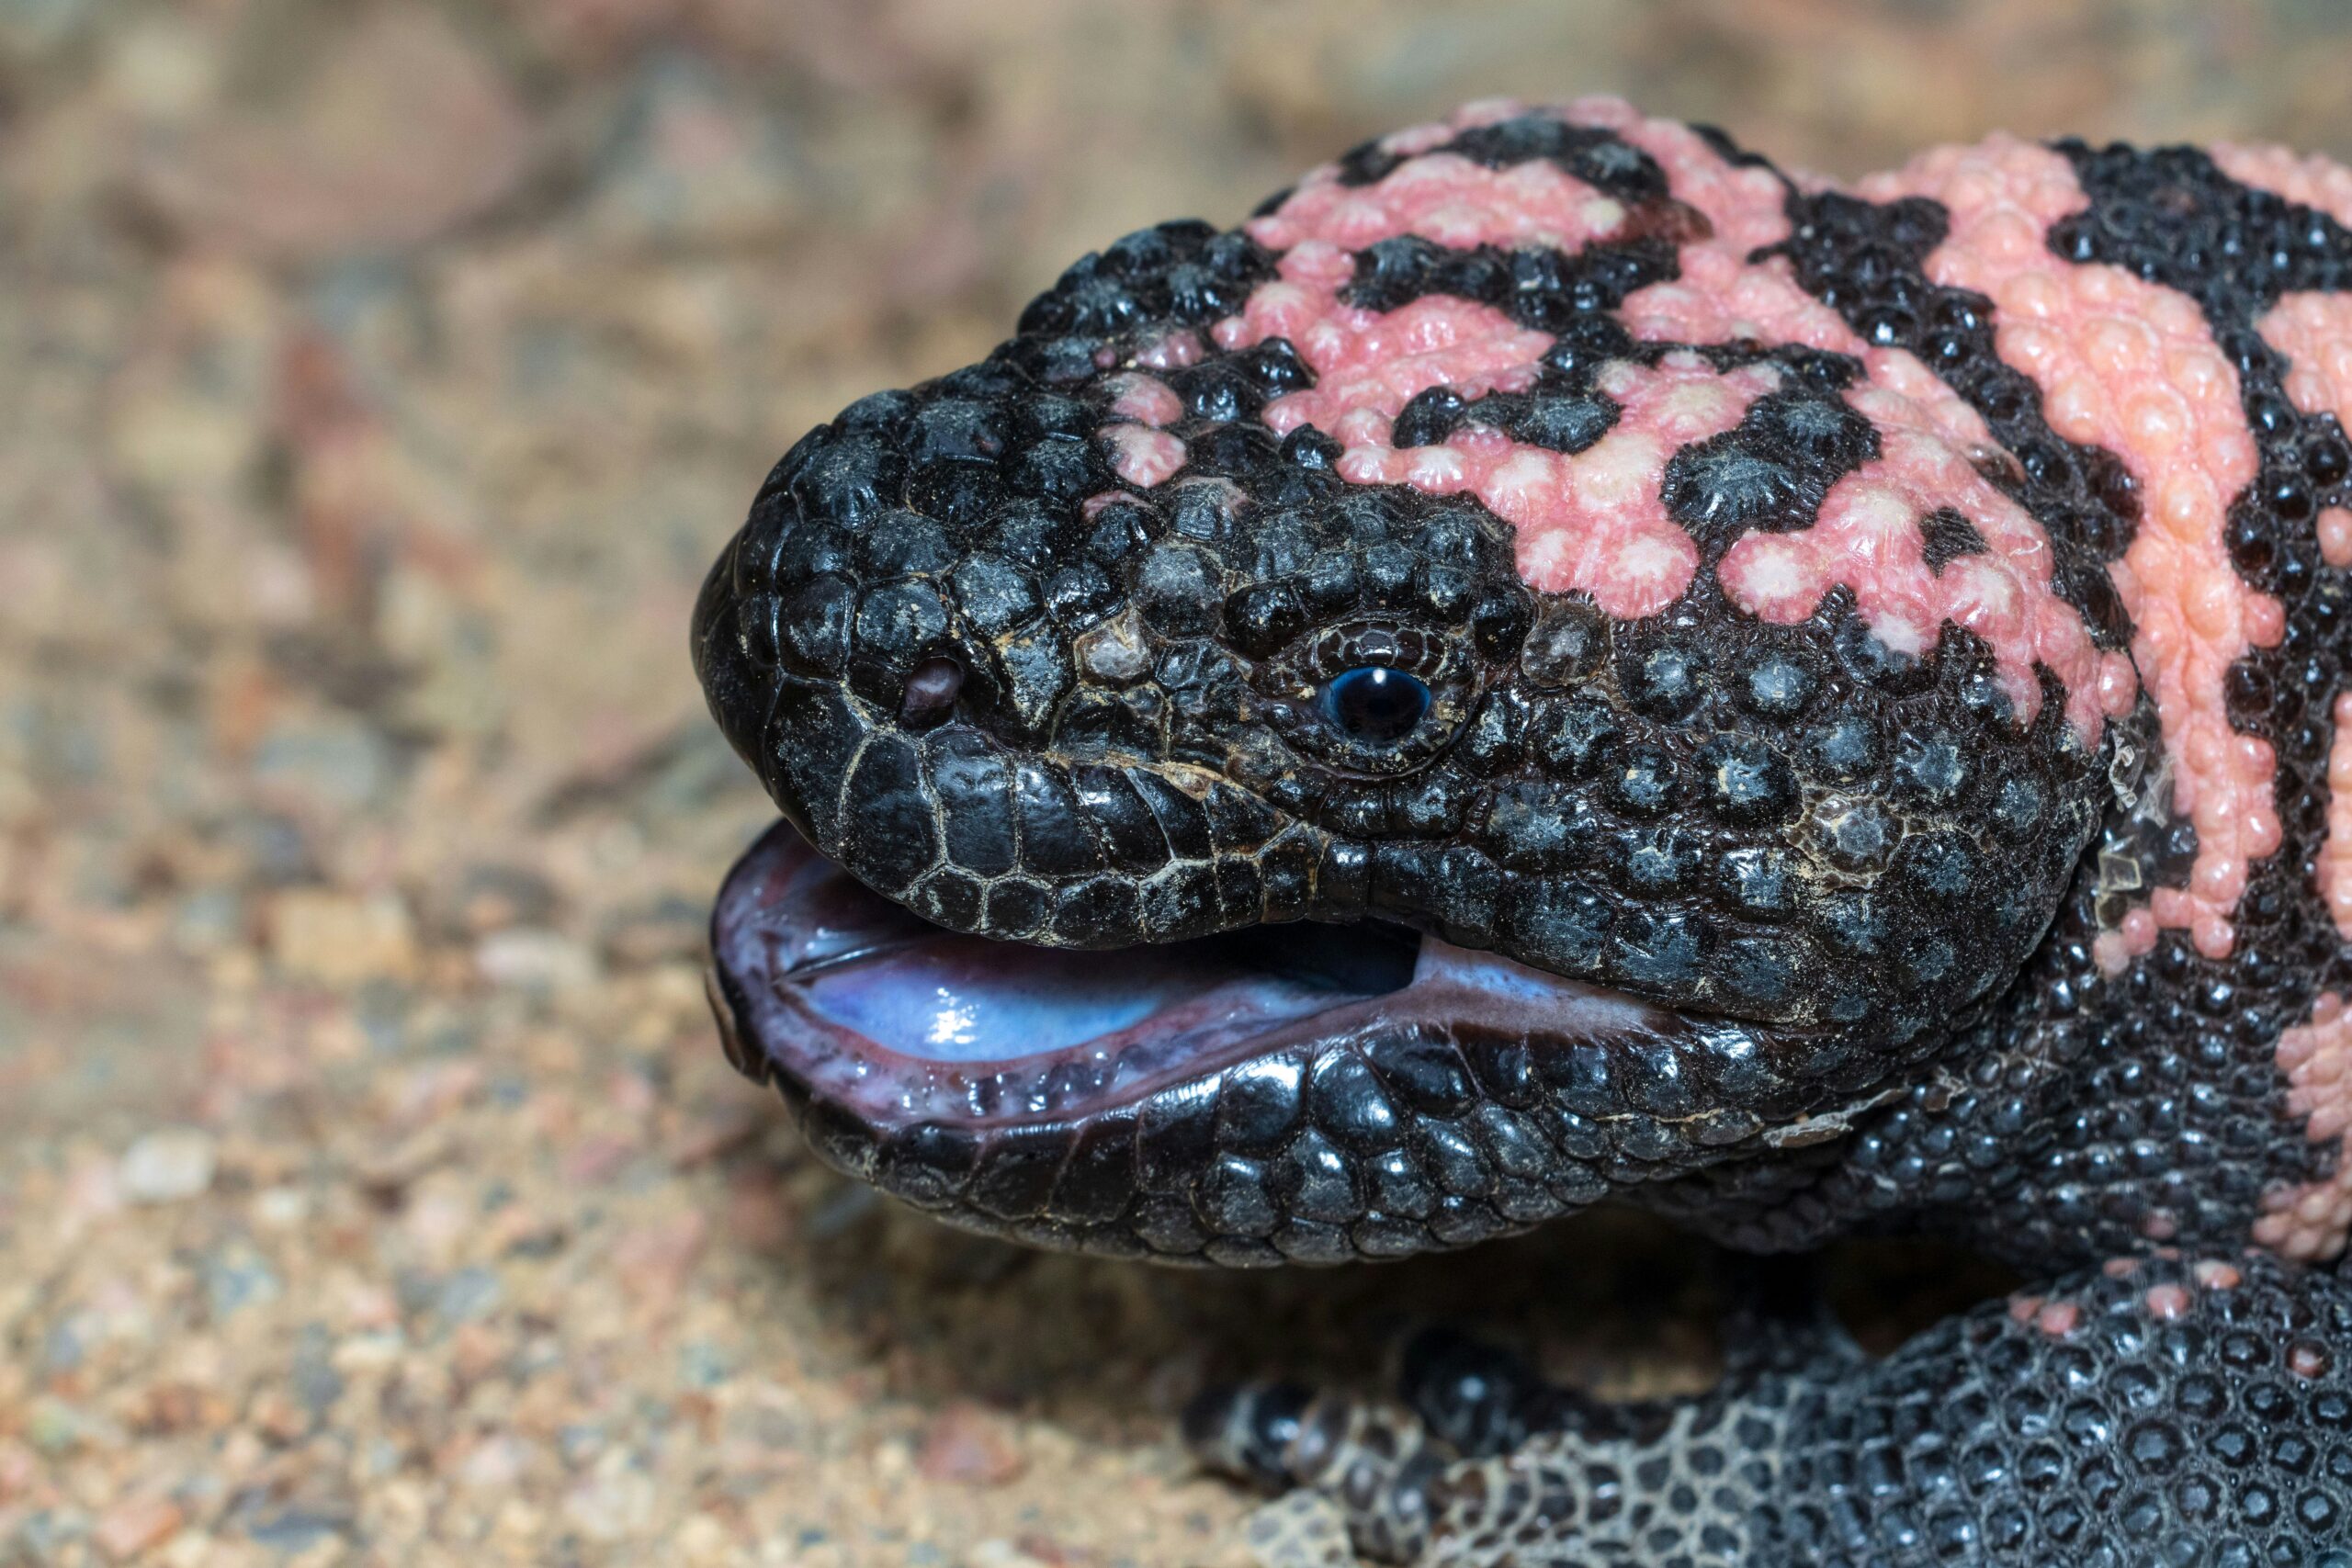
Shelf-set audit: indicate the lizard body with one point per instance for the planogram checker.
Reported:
(1560, 662)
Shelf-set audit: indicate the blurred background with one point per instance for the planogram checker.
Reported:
(376, 377)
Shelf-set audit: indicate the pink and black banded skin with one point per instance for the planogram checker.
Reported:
(1885, 646)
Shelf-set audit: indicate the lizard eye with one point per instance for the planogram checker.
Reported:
(1375, 704)
(1372, 698)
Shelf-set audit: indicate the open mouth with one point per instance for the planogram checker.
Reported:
(870, 1009)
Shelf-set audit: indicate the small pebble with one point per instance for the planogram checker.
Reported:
(612, 1503)
(237, 1280)
(653, 1261)
(534, 960)
(136, 1525)
(300, 1529)
(168, 1165)
(282, 1208)
(53, 1427)
(18, 1470)
(999, 1553)
(967, 1445)
(468, 1294)
(495, 1463)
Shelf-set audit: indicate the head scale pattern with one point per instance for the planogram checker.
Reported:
(1765, 685)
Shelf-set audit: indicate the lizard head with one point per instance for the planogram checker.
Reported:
(1199, 844)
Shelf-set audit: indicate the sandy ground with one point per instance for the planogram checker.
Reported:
(375, 382)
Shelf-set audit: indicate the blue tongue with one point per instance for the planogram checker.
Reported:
(960, 998)
(865, 964)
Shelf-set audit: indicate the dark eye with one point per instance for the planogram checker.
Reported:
(1374, 703)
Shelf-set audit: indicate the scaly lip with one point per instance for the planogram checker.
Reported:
(865, 1007)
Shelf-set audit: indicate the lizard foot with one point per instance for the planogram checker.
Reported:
(2158, 1411)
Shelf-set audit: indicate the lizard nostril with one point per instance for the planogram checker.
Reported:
(930, 695)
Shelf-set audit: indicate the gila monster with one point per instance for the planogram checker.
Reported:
(1558, 663)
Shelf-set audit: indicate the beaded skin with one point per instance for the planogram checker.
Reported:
(1559, 662)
